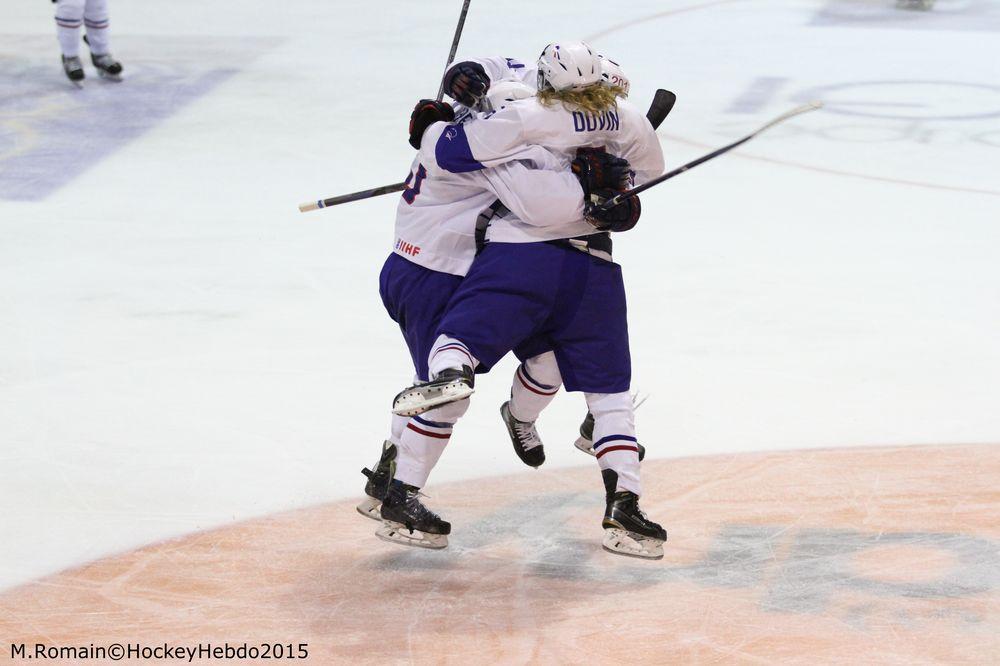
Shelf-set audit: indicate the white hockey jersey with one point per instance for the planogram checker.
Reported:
(522, 126)
(437, 213)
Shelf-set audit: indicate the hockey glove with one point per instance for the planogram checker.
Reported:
(622, 217)
(426, 113)
(466, 83)
(599, 170)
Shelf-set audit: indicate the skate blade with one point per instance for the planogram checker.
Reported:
(417, 401)
(623, 542)
(398, 533)
(585, 445)
(371, 508)
(115, 78)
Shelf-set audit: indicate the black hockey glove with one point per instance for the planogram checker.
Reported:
(599, 170)
(426, 113)
(622, 217)
(466, 83)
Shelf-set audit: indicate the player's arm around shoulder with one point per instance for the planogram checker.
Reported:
(489, 140)
(537, 196)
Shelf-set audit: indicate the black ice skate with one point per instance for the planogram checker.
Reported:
(451, 385)
(585, 442)
(627, 530)
(74, 70)
(524, 437)
(107, 66)
(378, 482)
(407, 521)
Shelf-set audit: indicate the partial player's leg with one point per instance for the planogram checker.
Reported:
(585, 442)
(69, 18)
(536, 382)
(505, 299)
(405, 519)
(379, 477)
(451, 367)
(415, 298)
(593, 353)
(497, 306)
(96, 19)
(627, 529)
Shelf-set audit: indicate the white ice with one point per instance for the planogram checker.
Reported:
(181, 348)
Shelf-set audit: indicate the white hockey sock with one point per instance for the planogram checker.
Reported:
(69, 18)
(449, 353)
(97, 35)
(95, 18)
(422, 444)
(615, 444)
(396, 426)
(536, 382)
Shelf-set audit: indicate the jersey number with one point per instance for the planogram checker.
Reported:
(411, 191)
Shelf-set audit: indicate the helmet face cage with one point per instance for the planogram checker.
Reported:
(542, 81)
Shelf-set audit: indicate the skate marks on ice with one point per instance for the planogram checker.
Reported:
(817, 561)
(51, 132)
(885, 555)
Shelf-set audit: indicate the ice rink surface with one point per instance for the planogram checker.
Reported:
(181, 349)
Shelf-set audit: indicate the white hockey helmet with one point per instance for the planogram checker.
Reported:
(568, 66)
(502, 92)
(612, 74)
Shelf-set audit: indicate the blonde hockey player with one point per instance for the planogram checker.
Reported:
(433, 248)
(555, 283)
(469, 83)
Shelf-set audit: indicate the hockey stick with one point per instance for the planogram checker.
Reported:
(614, 201)
(395, 187)
(663, 102)
(454, 45)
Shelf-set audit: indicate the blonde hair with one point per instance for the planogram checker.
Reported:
(597, 98)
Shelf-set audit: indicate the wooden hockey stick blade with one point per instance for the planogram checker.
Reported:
(353, 196)
(663, 102)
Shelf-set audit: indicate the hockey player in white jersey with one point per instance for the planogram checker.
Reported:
(468, 82)
(433, 249)
(479, 85)
(70, 16)
(549, 282)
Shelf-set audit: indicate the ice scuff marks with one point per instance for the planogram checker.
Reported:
(786, 569)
